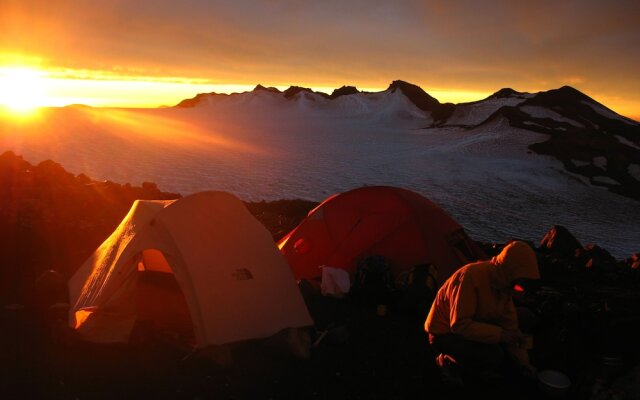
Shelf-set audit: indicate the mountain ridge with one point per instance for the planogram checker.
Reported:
(588, 138)
(418, 96)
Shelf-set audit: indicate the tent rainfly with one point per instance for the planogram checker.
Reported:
(236, 284)
(403, 226)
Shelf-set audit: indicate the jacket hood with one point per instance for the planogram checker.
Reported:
(517, 260)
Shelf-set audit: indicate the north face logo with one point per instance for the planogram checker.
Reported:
(242, 274)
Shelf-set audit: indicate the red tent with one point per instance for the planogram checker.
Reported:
(401, 225)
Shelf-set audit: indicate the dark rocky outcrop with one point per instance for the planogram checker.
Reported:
(560, 241)
(595, 257)
(562, 258)
(505, 92)
(267, 89)
(51, 219)
(343, 91)
(280, 216)
(422, 100)
(294, 90)
(416, 94)
(594, 137)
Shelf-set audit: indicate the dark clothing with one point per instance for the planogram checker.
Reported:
(472, 356)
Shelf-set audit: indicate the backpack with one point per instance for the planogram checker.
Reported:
(419, 290)
(373, 282)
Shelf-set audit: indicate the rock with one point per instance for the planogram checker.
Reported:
(595, 256)
(293, 90)
(634, 261)
(559, 241)
(344, 91)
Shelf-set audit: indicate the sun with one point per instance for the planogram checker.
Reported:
(21, 89)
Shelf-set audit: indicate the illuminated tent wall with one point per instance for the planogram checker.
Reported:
(236, 284)
(403, 226)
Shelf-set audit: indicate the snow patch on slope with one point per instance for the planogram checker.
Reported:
(474, 113)
(579, 163)
(634, 170)
(496, 138)
(605, 179)
(541, 112)
(600, 162)
(626, 141)
(605, 112)
(529, 123)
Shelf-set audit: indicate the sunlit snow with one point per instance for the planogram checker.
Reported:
(259, 145)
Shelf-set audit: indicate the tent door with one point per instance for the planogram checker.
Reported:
(161, 308)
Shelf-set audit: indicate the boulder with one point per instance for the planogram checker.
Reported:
(595, 256)
(634, 261)
(560, 242)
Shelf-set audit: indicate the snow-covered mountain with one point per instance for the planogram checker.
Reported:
(391, 106)
(589, 139)
(511, 165)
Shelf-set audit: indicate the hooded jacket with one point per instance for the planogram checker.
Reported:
(475, 302)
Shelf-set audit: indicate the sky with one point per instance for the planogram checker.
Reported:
(148, 53)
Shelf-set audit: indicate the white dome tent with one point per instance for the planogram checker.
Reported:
(236, 284)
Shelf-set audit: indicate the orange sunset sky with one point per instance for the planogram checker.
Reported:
(149, 53)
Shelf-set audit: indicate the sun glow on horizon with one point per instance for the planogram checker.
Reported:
(26, 87)
(22, 90)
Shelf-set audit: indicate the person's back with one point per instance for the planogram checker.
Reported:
(475, 276)
(473, 319)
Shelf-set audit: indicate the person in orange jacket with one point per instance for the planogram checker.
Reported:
(473, 321)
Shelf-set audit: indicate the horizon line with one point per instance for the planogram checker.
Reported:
(63, 89)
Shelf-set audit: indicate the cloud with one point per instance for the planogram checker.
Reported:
(465, 44)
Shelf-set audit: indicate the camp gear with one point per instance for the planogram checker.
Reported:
(553, 383)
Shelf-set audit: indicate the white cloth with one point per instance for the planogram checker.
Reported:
(335, 282)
